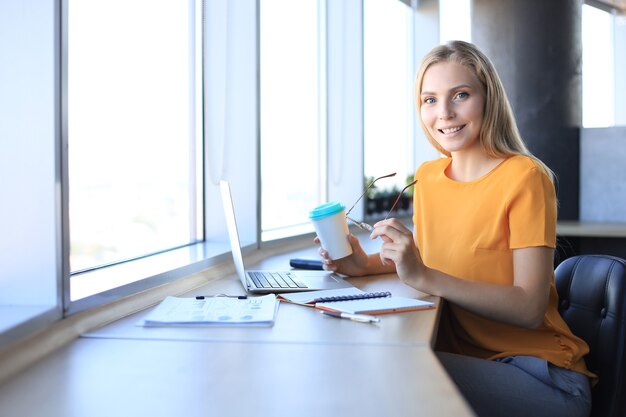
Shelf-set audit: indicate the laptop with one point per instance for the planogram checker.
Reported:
(265, 281)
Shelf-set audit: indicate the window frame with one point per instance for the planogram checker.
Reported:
(230, 30)
(150, 269)
(38, 69)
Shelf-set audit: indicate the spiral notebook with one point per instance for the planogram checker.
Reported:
(356, 301)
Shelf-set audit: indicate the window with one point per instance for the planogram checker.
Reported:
(455, 20)
(30, 243)
(291, 119)
(598, 76)
(131, 87)
(135, 145)
(389, 109)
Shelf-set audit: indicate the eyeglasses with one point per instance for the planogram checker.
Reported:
(365, 226)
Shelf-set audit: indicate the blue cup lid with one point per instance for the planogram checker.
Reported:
(325, 210)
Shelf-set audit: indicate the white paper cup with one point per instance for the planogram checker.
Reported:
(331, 226)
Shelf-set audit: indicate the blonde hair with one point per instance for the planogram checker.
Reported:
(499, 134)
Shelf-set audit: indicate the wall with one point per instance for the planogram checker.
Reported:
(536, 48)
(602, 174)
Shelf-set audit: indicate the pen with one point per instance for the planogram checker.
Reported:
(240, 297)
(354, 317)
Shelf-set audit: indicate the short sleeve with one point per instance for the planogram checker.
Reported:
(532, 212)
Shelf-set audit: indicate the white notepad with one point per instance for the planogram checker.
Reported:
(382, 305)
(310, 298)
(354, 300)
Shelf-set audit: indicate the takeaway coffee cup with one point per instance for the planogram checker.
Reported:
(330, 223)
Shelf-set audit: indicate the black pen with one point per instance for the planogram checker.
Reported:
(363, 318)
(239, 297)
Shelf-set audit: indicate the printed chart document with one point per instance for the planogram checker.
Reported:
(211, 311)
(355, 301)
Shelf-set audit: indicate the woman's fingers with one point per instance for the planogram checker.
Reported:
(397, 240)
(391, 230)
(329, 267)
(389, 253)
(393, 222)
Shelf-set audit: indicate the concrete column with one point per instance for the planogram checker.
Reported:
(535, 46)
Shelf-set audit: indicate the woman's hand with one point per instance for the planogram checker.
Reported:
(522, 304)
(400, 250)
(354, 265)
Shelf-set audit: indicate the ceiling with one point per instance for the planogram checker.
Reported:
(612, 6)
(617, 6)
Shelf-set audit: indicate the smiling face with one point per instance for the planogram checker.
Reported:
(452, 106)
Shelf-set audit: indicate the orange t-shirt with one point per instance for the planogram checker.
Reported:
(469, 230)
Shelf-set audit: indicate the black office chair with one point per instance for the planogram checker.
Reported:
(592, 300)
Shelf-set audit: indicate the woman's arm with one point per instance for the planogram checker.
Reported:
(522, 304)
(357, 264)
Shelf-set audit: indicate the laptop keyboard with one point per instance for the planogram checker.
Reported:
(274, 280)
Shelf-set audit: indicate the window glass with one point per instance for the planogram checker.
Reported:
(455, 20)
(598, 68)
(290, 115)
(133, 145)
(388, 95)
(30, 213)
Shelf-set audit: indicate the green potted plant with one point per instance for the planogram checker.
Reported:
(370, 196)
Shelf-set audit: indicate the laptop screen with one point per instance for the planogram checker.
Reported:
(231, 224)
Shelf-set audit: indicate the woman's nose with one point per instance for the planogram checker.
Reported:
(446, 111)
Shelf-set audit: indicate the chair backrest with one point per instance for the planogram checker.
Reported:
(592, 300)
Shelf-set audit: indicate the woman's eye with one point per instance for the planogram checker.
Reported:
(429, 100)
(462, 95)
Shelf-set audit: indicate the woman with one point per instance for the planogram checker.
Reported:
(485, 233)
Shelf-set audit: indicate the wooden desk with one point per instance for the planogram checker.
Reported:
(585, 238)
(591, 229)
(112, 377)
(306, 365)
(297, 324)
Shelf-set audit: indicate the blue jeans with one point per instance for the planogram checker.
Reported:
(518, 386)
